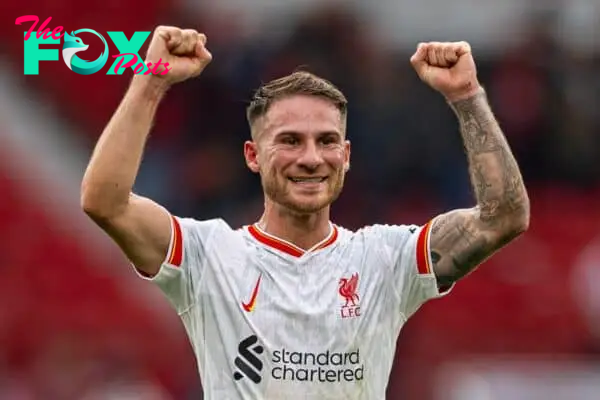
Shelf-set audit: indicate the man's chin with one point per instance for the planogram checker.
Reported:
(311, 206)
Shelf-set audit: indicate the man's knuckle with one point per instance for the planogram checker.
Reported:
(164, 28)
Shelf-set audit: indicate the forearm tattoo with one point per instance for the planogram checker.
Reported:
(462, 239)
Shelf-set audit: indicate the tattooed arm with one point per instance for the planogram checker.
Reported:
(462, 239)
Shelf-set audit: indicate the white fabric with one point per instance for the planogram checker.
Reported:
(313, 345)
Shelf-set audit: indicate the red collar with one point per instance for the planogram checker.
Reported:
(287, 247)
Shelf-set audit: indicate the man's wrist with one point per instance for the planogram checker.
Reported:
(466, 94)
(150, 86)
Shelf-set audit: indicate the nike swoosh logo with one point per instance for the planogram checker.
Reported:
(248, 307)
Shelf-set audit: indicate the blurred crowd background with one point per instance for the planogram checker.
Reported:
(75, 323)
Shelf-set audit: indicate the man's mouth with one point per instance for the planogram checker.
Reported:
(308, 179)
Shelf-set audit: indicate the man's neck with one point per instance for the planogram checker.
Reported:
(302, 230)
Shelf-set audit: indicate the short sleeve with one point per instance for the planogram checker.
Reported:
(181, 272)
(414, 278)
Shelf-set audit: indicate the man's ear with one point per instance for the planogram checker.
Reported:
(347, 148)
(251, 156)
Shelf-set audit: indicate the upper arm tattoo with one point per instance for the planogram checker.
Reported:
(462, 239)
(459, 243)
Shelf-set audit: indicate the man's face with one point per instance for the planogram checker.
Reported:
(300, 153)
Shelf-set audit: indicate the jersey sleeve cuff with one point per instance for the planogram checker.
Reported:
(173, 260)
(425, 264)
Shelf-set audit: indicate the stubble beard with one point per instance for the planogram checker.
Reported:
(279, 193)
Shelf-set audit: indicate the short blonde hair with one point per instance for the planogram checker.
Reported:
(297, 83)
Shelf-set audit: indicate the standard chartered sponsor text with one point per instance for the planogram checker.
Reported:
(320, 367)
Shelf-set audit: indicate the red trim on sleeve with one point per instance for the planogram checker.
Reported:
(176, 252)
(423, 256)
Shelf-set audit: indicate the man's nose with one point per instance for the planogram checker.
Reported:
(311, 156)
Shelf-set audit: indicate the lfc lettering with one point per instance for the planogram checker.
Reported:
(349, 312)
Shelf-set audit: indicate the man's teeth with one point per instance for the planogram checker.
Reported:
(315, 180)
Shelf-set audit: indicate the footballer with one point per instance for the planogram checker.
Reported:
(293, 305)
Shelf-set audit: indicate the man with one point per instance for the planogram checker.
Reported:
(294, 306)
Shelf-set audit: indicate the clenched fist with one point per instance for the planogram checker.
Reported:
(448, 68)
(184, 50)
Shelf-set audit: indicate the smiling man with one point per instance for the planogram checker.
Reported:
(294, 306)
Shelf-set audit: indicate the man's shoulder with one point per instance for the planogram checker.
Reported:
(205, 229)
(380, 237)
(195, 223)
(379, 230)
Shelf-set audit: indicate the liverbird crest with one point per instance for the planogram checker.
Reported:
(348, 289)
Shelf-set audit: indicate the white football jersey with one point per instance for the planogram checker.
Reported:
(268, 320)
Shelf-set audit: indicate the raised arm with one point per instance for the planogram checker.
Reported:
(139, 226)
(461, 239)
